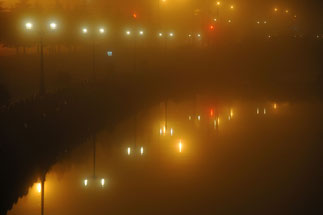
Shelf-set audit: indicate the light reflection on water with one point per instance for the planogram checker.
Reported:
(208, 147)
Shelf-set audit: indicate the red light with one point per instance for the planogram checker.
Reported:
(211, 112)
(211, 27)
(134, 15)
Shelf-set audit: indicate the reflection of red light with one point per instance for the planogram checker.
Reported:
(211, 112)
(211, 27)
(134, 15)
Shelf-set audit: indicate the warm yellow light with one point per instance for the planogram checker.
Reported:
(214, 19)
(129, 150)
(160, 131)
(257, 110)
(160, 34)
(38, 187)
(198, 35)
(218, 3)
(265, 22)
(180, 146)
(102, 182)
(265, 111)
(141, 33)
(128, 32)
(101, 30)
(199, 118)
(231, 113)
(258, 22)
(232, 7)
(171, 34)
(85, 182)
(229, 21)
(215, 123)
(141, 150)
(53, 26)
(29, 25)
(164, 129)
(171, 132)
(190, 35)
(286, 11)
(84, 30)
(276, 9)
(275, 106)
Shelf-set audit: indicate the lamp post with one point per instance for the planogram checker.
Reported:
(29, 26)
(93, 34)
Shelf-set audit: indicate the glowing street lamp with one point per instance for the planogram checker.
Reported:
(85, 182)
(160, 34)
(29, 26)
(38, 187)
(141, 150)
(128, 33)
(84, 30)
(180, 146)
(141, 33)
(129, 151)
(218, 3)
(231, 7)
(53, 26)
(102, 182)
(276, 9)
(101, 30)
(171, 34)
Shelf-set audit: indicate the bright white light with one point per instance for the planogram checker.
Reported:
(129, 150)
(160, 34)
(53, 25)
(171, 34)
(171, 132)
(160, 131)
(85, 182)
(198, 118)
(164, 130)
(141, 33)
(38, 187)
(214, 20)
(180, 146)
(198, 35)
(102, 182)
(101, 30)
(29, 25)
(84, 30)
(128, 32)
(141, 150)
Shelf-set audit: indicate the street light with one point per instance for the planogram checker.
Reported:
(41, 31)
(29, 25)
(93, 34)
(53, 26)
(102, 30)
(141, 33)
(128, 32)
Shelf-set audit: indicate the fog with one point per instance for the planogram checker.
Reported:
(161, 107)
